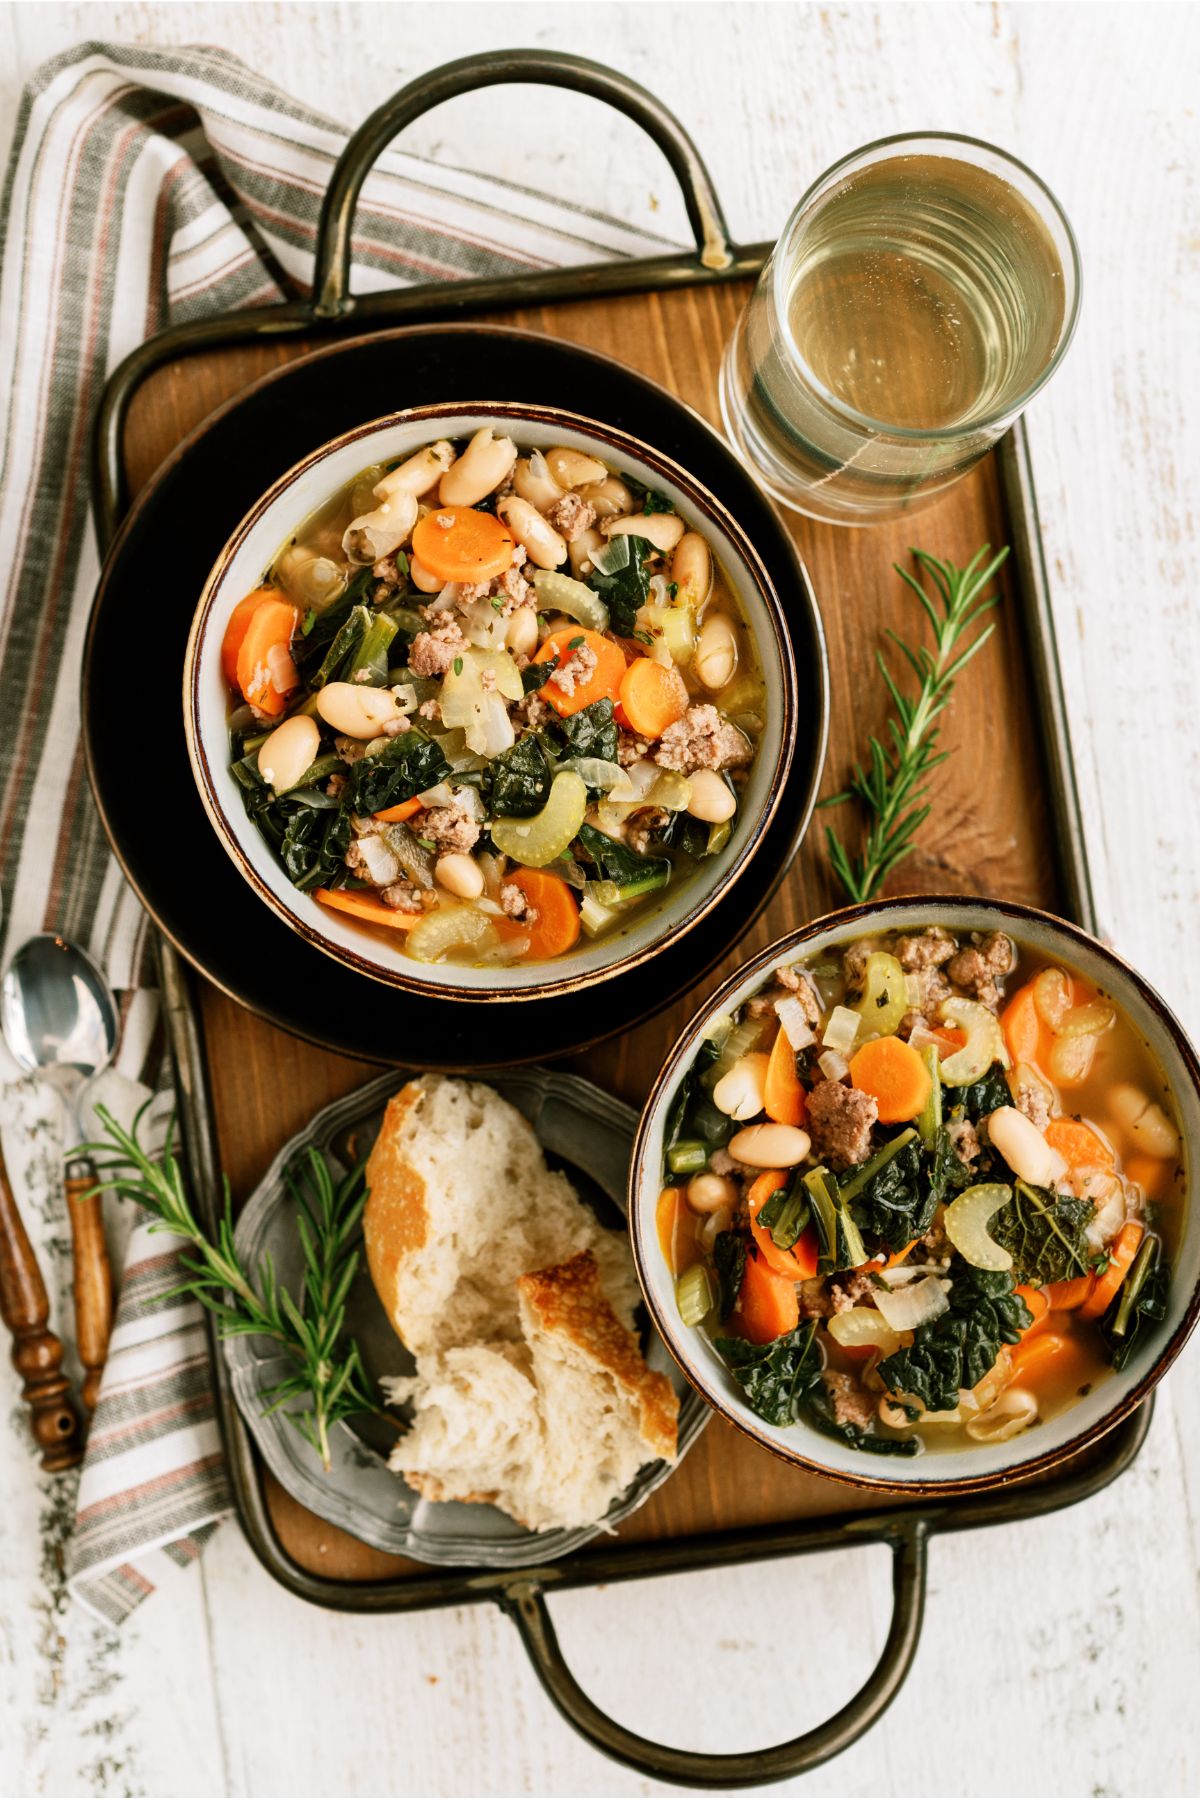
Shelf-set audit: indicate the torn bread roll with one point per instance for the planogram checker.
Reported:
(531, 1392)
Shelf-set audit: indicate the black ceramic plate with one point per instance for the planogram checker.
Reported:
(147, 595)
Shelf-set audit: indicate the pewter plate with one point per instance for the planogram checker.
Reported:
(582, 1130)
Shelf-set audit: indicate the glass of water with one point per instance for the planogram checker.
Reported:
(922, 292)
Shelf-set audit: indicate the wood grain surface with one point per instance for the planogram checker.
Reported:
(1059, 1657)
(978, 841)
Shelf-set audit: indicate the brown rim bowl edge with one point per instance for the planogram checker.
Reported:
(1046, 1444)
(207, 751)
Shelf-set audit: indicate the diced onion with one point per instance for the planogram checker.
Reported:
(863, 1326)
(966, 1222)
(912, 1306)
(984, 1046)
(794, 1020)
(1092, 1020)
(841, 1031)
(615, 554)
(833, 1065)
(743, 1038)
(381, 865)
(595, 772)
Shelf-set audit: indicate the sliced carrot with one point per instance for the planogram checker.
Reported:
(239, 624)
(1120, 1255)
(604, 682)
(949, 1038)
(266, 673)
(895, 1074)
(1066, 1296)
(783, 1090)
(1024, 1033)
(556, 927)
(361, 905)
(676, 1230)
(396, 815)
(456, 543)
(1151, 1173)
(653, 696)
(1033, 1356)
(800, 1262)
(1080, 1147)
(767, 1306)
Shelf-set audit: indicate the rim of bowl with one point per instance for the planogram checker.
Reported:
(684, 1044)
(707, 504)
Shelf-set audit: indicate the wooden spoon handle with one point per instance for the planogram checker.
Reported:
(37, 1353)
(93, 1278)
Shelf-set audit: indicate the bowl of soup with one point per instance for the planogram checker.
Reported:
(490, 701)
(910, 1199)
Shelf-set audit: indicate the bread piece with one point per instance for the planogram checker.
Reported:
(476, 1417)
(460, 1203)
(604, 1412)
(551, 1431)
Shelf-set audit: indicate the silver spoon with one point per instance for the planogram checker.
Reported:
(60, 1021)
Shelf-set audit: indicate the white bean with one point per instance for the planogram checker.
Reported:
(459, 874)
(709, 1193)
(1024, 1148)
(692, 570)
(424, 578)
(522, 633)
(770, 1146)
(716, 658)
(535, 535)
(581, 550)
(609, 497)
(710, 799)
(481, 467)
(663, 530)
(1144, 1120)
(357, 711)
(291, 748)
(574, 468)
(419, 474)
(739, 1093)
(534, 482)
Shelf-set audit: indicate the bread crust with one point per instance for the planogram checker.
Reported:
(396, 1217)
(568, 1300)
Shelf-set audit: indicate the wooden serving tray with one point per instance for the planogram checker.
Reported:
(1005, 823)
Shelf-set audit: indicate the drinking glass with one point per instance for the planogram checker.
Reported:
(922, 292)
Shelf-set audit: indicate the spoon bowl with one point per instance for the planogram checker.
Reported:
(58, 1014)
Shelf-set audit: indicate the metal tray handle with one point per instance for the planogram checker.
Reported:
(525, 1604)
(548, 68)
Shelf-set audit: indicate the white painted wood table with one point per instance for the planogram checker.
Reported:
(1059, 1657)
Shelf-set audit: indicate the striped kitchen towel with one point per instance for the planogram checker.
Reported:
(147, 187)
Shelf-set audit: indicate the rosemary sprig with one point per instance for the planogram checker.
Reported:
(329, 1373)
(892, 788)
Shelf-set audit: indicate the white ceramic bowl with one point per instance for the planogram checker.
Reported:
(983, 1465)
(253, 547)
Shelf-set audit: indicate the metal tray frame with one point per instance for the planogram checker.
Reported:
(333, 311)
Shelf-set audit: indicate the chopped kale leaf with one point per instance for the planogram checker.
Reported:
(957, 1349)
(407, 765)
(1046, 1234)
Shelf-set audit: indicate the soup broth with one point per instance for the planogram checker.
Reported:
(445, 735)
(923, 1193)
